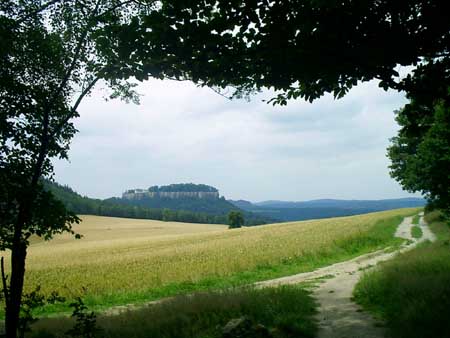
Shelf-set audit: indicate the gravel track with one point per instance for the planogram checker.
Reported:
(338, 316)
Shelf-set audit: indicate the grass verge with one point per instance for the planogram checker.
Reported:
(286, 311)
(411, 293)
(416, 231)
(380, 235)
(416, 219)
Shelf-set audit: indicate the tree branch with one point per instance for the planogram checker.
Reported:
(440, 55)
(120, 4)
(52, 2)
(84, 93)
(74, 108)
(219, 93)
(43, 149)
(78, 48)
(37, 11)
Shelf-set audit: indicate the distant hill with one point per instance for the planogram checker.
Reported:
(166, 209)
(384, 204)
(242, 204)
(323, 208)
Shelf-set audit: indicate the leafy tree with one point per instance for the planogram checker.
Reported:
(235, 219)
(420, 153)
(52, 54)
(46, 69)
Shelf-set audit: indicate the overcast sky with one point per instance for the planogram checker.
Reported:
(248, 150)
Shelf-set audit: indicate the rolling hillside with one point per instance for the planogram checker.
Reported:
(121, 261)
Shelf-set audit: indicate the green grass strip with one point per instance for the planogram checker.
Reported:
(411, 292)
(416, 231)
(289, 311)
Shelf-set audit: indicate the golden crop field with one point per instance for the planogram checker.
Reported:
(121, 255)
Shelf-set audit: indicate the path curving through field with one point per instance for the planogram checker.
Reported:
(337, 313)
(338, 316)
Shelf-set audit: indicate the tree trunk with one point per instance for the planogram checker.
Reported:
(19, 247)
(18, 255)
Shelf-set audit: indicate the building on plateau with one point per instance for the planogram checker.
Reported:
(134, 194)
(173, 191)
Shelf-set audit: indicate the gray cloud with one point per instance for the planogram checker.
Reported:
(251, 150)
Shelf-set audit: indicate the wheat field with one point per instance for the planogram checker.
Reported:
(119, 256)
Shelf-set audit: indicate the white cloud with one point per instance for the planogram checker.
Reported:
(251, 150)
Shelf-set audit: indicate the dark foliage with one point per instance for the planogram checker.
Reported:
(304, 49)
(211, 206)
(31, 301)
(420, 153)
(85, 321)
(235, 219)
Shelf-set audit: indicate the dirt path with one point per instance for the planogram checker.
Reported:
(427, 234)
(338, 316)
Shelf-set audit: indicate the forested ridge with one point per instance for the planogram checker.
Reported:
(115, 207)
(214, 206)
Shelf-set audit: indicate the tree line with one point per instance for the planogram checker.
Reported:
(213, 206)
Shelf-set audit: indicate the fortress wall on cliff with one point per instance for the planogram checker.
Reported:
(139, 194)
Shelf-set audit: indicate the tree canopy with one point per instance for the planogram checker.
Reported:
(302, 48)
(420, 153)
(235, 219)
